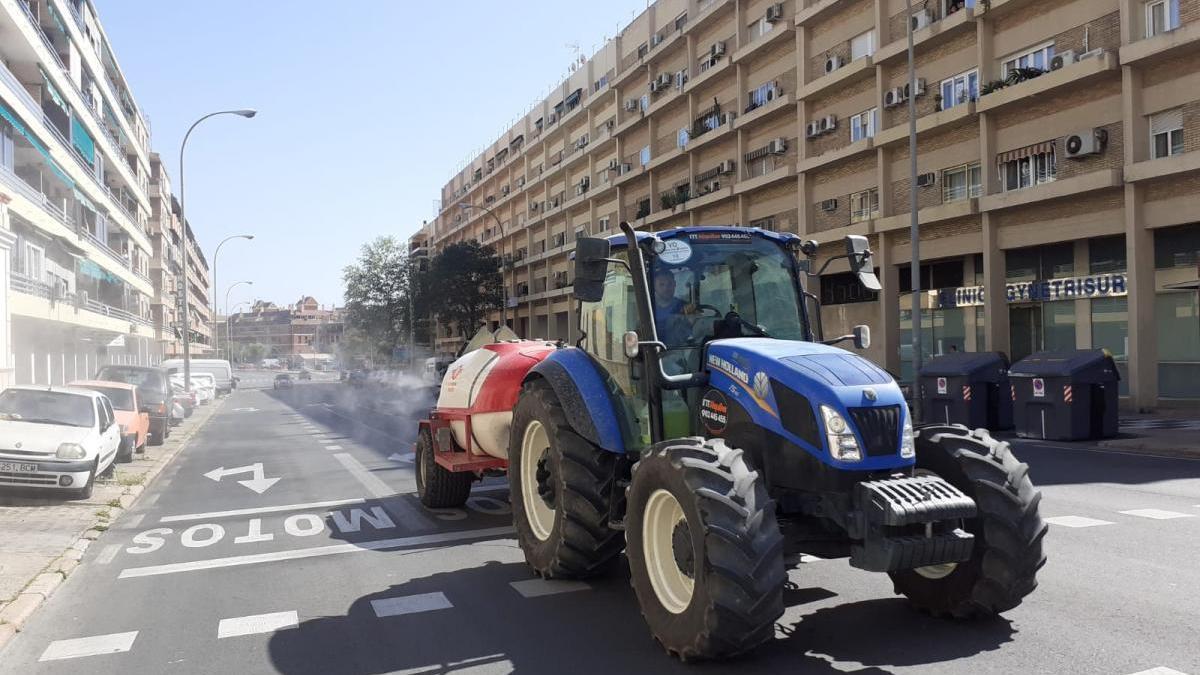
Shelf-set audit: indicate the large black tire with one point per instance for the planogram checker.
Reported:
(125, 451)
(574, 479)
(158, 432)
(85, 492)
(1008, 528)
(438, 488)
(736, 564)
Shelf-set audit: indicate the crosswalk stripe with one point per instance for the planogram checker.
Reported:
(1076, 521)
(1158, 514)
(533, 588)
(410, 604)
(113, 643)
(333, 447)
(1160, 670)
(256, 623)
(106, 556)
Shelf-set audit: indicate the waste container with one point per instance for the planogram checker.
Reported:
(968, 388)
(1065, 396)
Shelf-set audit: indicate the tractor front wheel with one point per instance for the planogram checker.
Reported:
(1008, 529)
(705, 551)
(560, 486)
(437, 487)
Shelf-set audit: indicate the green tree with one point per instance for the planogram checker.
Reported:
(377, 290)
(255, 352)
(464, 284)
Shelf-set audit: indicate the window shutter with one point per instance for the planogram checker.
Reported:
(1166, 121)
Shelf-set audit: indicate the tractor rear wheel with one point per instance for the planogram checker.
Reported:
(437, 487)
(1007, 527)
(560, 486)
(705, 552)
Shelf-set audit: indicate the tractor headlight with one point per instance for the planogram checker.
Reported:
(843, 445)
(70, 451)
(908, 448)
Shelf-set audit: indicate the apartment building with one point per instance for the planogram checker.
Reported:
(1058, 167)
(74, 168)
(302, 330)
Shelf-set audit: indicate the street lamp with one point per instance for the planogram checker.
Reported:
(914, 229)
(187, 350)
(503, 282)
(228, 329)
(216, 253)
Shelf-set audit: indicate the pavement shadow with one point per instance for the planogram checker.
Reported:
(1074, 465)
(482, 620)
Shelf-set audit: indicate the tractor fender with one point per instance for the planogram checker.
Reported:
(586, 395)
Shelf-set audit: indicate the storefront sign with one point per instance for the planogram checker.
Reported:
(1091, 286)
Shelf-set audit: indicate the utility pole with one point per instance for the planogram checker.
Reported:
(913, 222)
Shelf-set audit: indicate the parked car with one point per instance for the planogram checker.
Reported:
(220, 369)
(127, 405)
(202, 385)
(57, 438)
(154, 388)
(185, 400)
(283, 381)
(304, 375)
(357, 378)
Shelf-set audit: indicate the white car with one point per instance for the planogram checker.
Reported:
(202, 384)
(56, 437)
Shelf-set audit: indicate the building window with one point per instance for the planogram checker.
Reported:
(1106, 254)
(681, 21)
(1166, 133)
(1029, 170)
(1039, 57)
(644, 155)
(644, 102)
(759, 28)
(864, 205)
(960, 89)
(683, 137)
(1162, 16)
(33, 261)
(643, 49)
(767, 224)
(762, 95)
(863, 125)
(844, 288)
(600, 83)
(962, 182)
(862, 45)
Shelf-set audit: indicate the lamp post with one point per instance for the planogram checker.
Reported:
(503, 282)
(215, 309)
(187, 350)
(228, 330)
(914, 229)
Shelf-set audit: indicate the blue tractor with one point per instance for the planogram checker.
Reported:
(702, 425)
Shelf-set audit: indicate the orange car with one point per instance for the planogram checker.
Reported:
(127, 405)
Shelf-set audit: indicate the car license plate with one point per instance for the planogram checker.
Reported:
(17, 467)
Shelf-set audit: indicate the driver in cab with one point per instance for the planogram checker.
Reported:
(672, 316)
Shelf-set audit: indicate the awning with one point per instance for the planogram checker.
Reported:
(1027, 151)
(87, 203)
(54, 93)
(19, 126)
(82, 141)
(89, 268)
(58, 20)
(573, 99)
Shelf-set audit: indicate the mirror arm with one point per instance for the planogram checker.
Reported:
(845, 256)
(623, 263)
(837, 340)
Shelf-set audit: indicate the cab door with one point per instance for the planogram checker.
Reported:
(110, 433)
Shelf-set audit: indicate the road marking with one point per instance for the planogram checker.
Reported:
(403, 459)
(410, 604)
(149, 500)
(89, 646)
(403, 509)
(1160, 670)
(1076, 521)
(106, 556)
(256, 623)
(134, 520)
(1158, 514)
(333, 447)
(258, 483)
(316, 552)
(806, 558)
(265, 509)
(533, 588)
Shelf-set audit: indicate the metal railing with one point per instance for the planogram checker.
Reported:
(11, 80)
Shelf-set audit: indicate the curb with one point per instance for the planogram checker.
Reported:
(1153, 447)
(16, 613)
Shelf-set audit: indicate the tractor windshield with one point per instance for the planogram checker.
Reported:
(710, 285)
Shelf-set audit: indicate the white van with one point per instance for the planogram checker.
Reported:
(219, 368)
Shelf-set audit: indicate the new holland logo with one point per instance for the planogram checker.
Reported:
(762, 384)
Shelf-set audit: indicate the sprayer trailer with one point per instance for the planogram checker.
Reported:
(703, 425)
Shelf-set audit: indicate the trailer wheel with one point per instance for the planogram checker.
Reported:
(436, 487)
(705, 552)
(1008, 528)
(560, 486)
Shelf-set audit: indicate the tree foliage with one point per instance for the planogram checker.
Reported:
(464, 284)
(377, 300)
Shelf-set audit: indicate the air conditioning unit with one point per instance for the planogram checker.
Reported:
(1084, 143)
(828, 123)
(777, 146)
(521, 181)
(833, 63)
(626, 168)
(773, 92)
(1063, 58)
(726, 118)
(920, 19)
(504, 190)
(613, 165)
(920, 88)
(725, 167)
(893, 97)
(813, 130)
(533, 207)
(1090, 53)
(829, 205)
(717, 50)
(926, 179)
(775, 12)
(580, 142)
(661, 82)
(656, 40)
(631, 105)
(681, 78)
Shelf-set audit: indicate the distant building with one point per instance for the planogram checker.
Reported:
(303, 329)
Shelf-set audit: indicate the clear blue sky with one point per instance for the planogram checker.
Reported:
(365, 110)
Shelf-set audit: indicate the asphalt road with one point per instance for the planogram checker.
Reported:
(324, 562)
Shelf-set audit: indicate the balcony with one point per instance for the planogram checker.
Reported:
(36, 299)
(959, 208)
(1057, 189)
(1162, 167)
(815, 11)
(934, 34)
(780, 32)
(783, 104)
(707, 14)
(1145, 52)
(1074, 75)
(958, 114)
(848, 74)
(837, 156)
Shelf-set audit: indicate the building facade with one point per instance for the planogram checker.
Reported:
(74, 167)
(1058, 167)
(303, 330)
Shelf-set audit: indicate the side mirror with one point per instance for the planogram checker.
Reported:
(631, 344)
(859, 255)
(862, 335)
(591, 266)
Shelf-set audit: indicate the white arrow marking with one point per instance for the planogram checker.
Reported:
(397, 457)
(245, 410)
(259, 483)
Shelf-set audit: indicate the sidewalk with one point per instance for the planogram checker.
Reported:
(42, 538)
(1167, 435)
